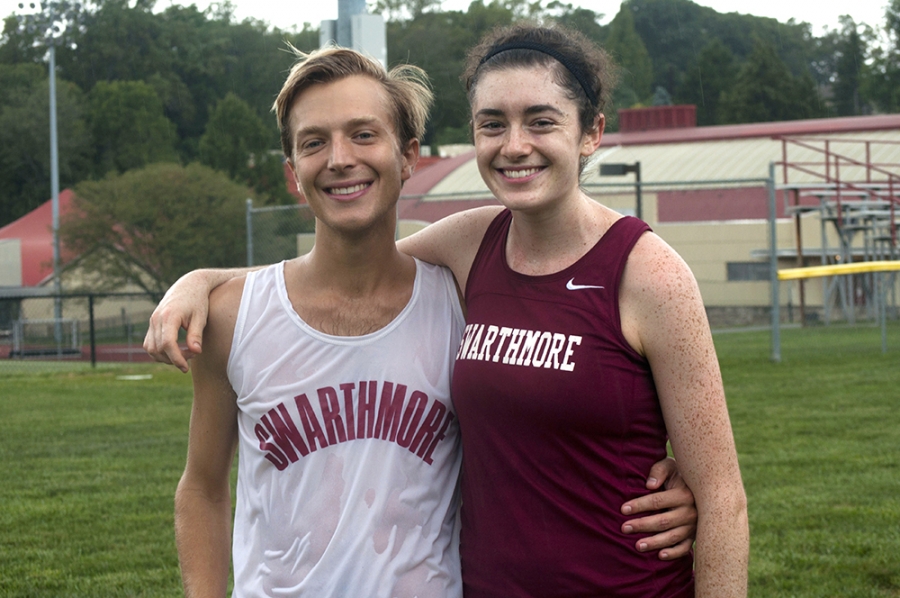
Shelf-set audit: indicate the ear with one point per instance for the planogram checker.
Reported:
(296, 181)
(410, 159)
(592, 138)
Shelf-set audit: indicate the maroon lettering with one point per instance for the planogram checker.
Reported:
(440, 436)
(411, 417)
(284, 432)
(347, 389)
(310, 422)
(389, 411)
(331, 415)
(368, 393)
(273, 454)
(417, 425)
(428, 429)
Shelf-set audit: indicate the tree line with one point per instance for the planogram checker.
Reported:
(137, 88)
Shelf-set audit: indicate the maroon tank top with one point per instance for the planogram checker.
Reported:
(560, 424)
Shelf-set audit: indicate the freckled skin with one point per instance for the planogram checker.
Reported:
(663, 318)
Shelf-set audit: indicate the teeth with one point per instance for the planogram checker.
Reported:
(518, 174)
(348, 190)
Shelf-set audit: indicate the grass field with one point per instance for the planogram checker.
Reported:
(90, 463)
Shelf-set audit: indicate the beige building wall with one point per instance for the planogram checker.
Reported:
(10, 263)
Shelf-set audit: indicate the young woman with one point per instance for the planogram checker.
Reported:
(586, 346)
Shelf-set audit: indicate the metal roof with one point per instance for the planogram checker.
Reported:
(720, 153)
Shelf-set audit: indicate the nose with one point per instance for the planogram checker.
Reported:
(517, 143)
(342, 155)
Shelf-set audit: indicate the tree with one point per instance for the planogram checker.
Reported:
(849, 69)
(629, 51)
(129, 127)
(237, 143)
(235, 137)
(149, 226)
(580, 19)
(25, 138)
(765, 91)
(674, 32)
(707, 80)
(883, 84)
(437, 42)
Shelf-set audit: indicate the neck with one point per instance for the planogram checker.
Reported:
(350, 286)
(355, 265)
(551, 240)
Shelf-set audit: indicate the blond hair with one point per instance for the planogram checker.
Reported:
(407, 86)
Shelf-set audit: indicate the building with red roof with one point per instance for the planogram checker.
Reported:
(26, 245)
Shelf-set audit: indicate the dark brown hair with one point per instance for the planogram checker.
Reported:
(581, 64)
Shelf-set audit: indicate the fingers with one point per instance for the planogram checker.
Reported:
(161, 341)
(660, 522)
(682, 549)
(674, 532)
(662, 472)
(195, 331)
(671, 545)
(658, 501)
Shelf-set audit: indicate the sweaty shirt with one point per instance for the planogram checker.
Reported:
(348, 448)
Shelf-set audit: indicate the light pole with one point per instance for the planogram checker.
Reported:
(622, 169)
(50, 24)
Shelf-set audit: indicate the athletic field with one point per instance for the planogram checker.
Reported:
(91, 460)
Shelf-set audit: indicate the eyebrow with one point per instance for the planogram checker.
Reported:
(352, 123)
(536, 109)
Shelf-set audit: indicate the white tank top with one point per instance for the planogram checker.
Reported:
(349, 449)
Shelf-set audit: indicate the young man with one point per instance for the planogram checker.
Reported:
(326, 352)
(332, 373)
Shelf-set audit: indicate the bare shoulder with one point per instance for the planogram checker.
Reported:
(224, 302)
(452, 241)
(658, 293)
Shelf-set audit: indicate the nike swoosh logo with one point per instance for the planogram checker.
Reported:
(577, 287)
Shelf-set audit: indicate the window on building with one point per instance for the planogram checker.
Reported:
(744, 271)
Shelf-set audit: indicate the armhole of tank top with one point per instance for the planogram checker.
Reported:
(453, 296)
(494, 228)
(634, 236)
(241, 319)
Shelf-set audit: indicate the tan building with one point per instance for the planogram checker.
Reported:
(705, 191)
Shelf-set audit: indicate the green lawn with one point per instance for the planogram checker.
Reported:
(90, 463)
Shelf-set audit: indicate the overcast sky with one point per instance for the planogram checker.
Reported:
(287, 14)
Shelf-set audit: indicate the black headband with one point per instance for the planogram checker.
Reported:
(539, 47)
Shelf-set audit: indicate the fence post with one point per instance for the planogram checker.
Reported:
(882, 308)
(249, 232)
(773, 267)
(93, 338)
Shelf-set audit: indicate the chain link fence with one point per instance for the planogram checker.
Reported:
(39, 330)
(276, 233)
